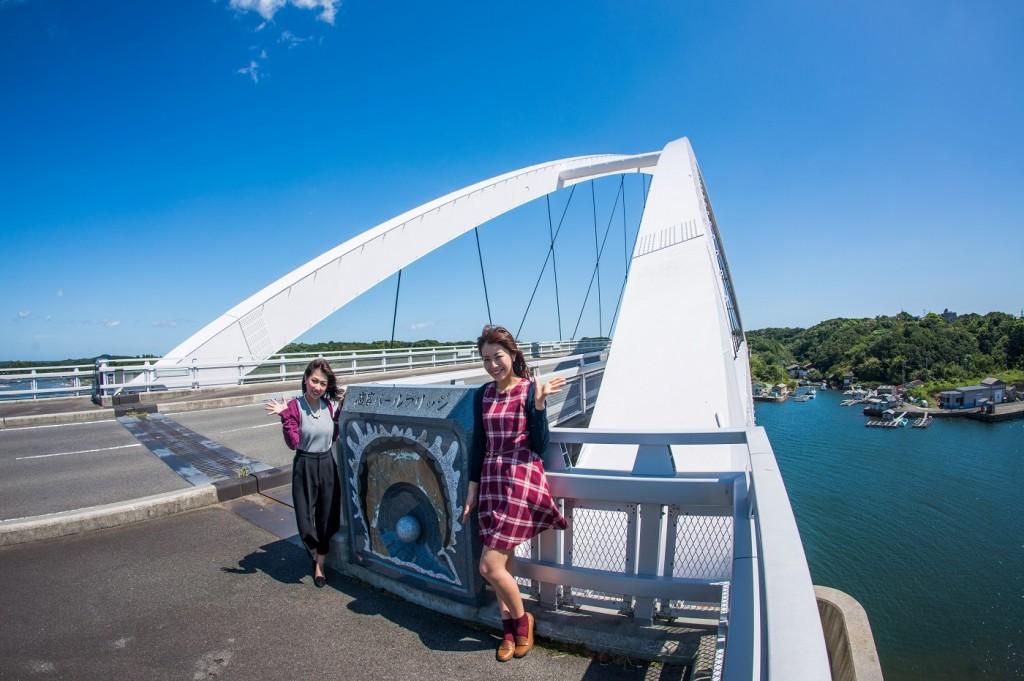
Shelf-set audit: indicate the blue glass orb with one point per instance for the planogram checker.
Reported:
(408, 528)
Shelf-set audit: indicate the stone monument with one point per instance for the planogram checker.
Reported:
(403, 455)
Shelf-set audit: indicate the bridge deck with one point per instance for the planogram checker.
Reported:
(208, 595)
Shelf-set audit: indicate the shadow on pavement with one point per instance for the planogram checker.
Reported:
(634, 671)
(282, 560)
(288, 563)
(436, 631)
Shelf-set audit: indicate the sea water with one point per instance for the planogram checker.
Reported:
(924, 527)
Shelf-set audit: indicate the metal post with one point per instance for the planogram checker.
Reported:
(648, 558)
(147, 374)
(550, 550)
(568, 509)
(78, 381)
(583, 389)
(283, 371)
(668, 566)
(195, 373)
(632, 539)
(97, 380)
(34, 384)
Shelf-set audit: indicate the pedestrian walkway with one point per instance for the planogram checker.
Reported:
(206, 595)
(199, 460)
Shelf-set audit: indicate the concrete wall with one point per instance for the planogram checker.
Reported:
(851, 647)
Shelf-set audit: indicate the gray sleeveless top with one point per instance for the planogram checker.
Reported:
(316, 433)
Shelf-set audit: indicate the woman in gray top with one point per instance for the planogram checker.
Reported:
(310, 426)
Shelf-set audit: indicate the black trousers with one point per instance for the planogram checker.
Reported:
(316, 493)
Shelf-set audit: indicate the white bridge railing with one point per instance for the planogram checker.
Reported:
(724, 544)
(112, 376)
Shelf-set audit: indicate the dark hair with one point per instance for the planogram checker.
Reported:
(332, 382)
(499, 335)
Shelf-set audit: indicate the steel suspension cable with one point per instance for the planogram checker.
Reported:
(480, 255)
(600, 250)
(629, 265)
(597, 253)
(554, 262)
(551, 255)
(625, 249)
(394, 316)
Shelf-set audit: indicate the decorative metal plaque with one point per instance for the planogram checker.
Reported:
(404, 457)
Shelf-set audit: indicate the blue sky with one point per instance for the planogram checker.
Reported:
(159, 162)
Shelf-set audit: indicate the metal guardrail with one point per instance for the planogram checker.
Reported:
(644, 545)
(111, 376)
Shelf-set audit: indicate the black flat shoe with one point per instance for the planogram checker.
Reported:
(320, 582)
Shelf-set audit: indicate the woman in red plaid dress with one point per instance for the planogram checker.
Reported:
(507, 479)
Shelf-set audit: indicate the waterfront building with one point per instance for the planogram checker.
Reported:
(799, 370)
(989, 391)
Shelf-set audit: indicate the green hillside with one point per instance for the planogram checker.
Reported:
(937, 349)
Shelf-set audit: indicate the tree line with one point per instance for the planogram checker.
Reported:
(934, 348)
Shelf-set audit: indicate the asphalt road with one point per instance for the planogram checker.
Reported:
(47, 469)
(206, 595)
(247, 430)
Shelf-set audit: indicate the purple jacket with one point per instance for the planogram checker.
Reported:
(291, 420)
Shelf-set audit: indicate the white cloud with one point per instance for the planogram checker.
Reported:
(268, 8)
(111, 323)
(23, 314)
(416, 326)
(60, 293)
(252, 70)
(291, 40)
(165, 323)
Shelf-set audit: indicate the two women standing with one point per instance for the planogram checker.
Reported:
(507, 487)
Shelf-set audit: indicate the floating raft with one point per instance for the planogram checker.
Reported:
(924, 421)
(896, 422)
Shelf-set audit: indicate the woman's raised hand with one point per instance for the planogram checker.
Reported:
(275, 407)
(552, 387)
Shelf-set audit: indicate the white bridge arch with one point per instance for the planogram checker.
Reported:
(678, 308)
(282, 311)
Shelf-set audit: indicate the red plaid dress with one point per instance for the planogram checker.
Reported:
(515, 503)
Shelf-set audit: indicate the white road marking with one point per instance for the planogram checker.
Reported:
(81, 451)
(262, 425)
(55, 425)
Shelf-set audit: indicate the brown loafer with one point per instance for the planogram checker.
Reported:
(523, 644)
(505, 650)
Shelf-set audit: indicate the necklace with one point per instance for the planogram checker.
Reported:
(314, 414)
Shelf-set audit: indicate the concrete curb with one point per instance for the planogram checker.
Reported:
(58, 418)
(105, 516)
(851, 646)
(253, 483)
(218, 402)
(119, 513)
